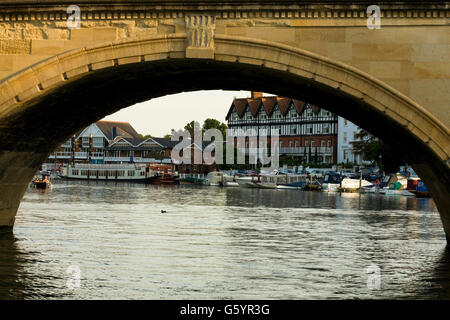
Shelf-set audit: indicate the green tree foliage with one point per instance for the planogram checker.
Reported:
(191, 126)
(378, 152)
(215, 124)
(144, 137)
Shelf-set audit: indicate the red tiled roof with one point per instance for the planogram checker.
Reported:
(254, 104)
(283, 103)
(315, 109)
(268, 104)
(299, 105)
(240, 105)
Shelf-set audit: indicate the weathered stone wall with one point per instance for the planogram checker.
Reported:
(411, 50)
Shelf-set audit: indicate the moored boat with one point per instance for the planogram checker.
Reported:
(217, 178)
(421, 190)
(353, 185)
(190, 180)
(108, 172)
(291, 181)
(41, 181)
(331, 182)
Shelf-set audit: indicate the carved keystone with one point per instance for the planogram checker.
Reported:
(200, 36)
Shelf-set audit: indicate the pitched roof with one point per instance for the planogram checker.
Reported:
(165, 142)
(254, 105)
(315, 109)
(284, 104)
(269, 104)
(299, 105)
(114, 129)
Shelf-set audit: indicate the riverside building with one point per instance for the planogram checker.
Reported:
(306, 131)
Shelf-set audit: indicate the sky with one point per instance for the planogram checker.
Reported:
(158, 116)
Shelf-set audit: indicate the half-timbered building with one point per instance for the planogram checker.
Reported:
(304, 130)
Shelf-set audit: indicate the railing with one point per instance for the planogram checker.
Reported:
(191, 175)
(137, 159)
(301, 150)
(294, 150)
(60, 155)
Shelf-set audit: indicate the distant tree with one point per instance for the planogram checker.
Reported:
(191, 125)
(215, 124)
(377, 152)
(144, 137)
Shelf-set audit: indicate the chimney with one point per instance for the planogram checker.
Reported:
(256, 94)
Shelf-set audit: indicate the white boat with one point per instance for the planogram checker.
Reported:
(330, 187)
(390, 192)
(258, 181)
(243, 181)
(108, 172)
(353, 185)
(369, 189)
(217, 178)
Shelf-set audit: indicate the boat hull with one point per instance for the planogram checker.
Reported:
(147, 180)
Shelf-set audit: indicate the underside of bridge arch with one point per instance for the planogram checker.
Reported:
(40, 109)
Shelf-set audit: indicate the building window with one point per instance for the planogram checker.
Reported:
(345, 122)
(290, 144)
(306, 143)
(345, 136)
(322, 143)
(294, 129)
(326, 128)
(309, 128)
(312, 143)
(329, 143)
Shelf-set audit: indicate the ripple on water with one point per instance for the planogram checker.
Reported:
(215, 243)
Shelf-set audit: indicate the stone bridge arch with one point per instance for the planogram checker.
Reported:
(44, 104)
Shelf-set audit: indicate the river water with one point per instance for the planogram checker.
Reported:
(94, 240)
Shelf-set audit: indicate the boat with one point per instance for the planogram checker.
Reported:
(41, 181)
(243, 181)
(163, 174)
(421, 190)
(108, 172)
(217, 178)
(261, 181)
(313, 184)
(353, 185)
(190, 180)
(331, 182)
(165, 178)
(291, 181)
(396, 184)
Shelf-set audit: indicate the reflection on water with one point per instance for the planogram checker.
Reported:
(219, 243)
